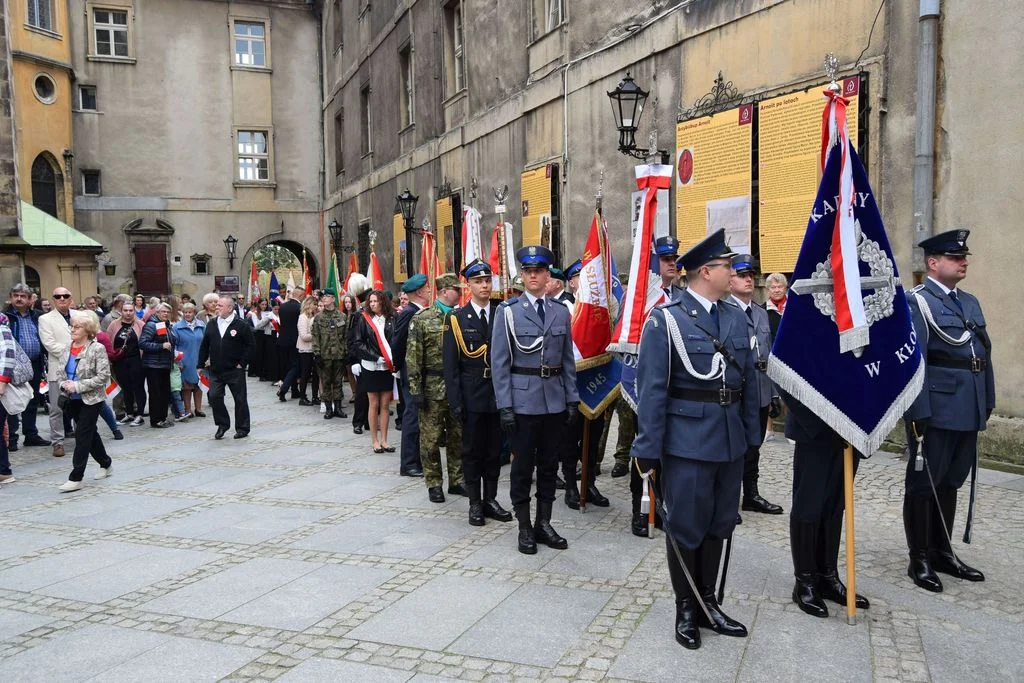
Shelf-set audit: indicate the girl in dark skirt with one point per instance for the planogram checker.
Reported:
(373, 349)
(258, 318)
(271, 358)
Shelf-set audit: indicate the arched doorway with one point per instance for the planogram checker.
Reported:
(45, 179)
(295, 249)
(33, 280)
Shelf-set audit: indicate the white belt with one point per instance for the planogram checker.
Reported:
(373, 365)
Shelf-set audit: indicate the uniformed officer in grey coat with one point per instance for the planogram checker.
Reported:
(957, 399)
(667, 249)
(742, 288)
(698, 413)
(534, 376)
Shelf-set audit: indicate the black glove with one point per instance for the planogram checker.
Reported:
(647, 464)
(459, 412)
(416, 400)
(919, 427)
(508, 421)
(572, 413)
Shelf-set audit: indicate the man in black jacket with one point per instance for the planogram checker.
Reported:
(287, 339)
(224, 352)
(416, 288)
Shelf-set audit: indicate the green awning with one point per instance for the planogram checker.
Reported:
(40, 229)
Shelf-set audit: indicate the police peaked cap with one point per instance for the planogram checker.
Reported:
(477, 268)
(666, 246)
(951, 243)
(535, 256)
(574, 269)
(743, 263)
(708, 249)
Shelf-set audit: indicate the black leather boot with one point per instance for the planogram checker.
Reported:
(753, 501)
(917, 520)
(491, 506)
(829, 584)
(329, 413)
(338, 410)
(527, 541)
(594, 497)
(543, 530)
(941, 553)
(686, 632)
(803, 541)
(709, 556)
(476, 513)
(572, 496)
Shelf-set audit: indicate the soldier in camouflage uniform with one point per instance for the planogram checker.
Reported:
(330, 351)
(424, 362)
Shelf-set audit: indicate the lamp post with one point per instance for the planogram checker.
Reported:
(337, 234)
(230, 243)
(407, 206)
(628, 101)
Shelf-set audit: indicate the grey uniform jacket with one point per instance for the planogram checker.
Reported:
(669, 426)
(952, 398)
(757, 327)
(532, 394)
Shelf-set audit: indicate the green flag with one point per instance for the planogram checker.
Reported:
(332, 275)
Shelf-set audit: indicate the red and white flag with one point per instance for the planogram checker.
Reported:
(113, 389)
(204, 382)
(591, 319)
(373, 273)
(254, 284)
(429, 265)
(161, 329)
(44, 387)
(644, 291)
(504, 229)
(472, 249)
(276, 324)
(179, 356)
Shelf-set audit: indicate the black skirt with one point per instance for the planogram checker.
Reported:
(376, 381)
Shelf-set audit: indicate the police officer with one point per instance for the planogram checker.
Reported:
(534, 376)
(330, 351)
(425, 365)
(467, 379)
(666, 248)
(572, 276)
(698, 413)
(956, 402)
(742, 288)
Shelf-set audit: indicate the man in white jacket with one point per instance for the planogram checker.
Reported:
(55, 335)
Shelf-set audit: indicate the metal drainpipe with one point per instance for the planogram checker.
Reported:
(924, 138)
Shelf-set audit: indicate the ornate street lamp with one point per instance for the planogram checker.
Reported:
(627, 101)
(406, 204)
(230, 243)
(337, 233)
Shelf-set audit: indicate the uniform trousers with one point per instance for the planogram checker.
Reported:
(818, 482)
(950, 456)
(752, 457)
(701, 498)
(332, 377)
(536, 444)
(410, 459)
(437, 421)
(574, 449)
(481, 451)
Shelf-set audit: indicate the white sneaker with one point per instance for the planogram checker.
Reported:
(69, 486)
(7, 479)
(138, 421)
(104, 472)
(770, 436)
(125, 420)
(791, 442)
(183, 417)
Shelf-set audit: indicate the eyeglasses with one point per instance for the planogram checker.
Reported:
(61, 296)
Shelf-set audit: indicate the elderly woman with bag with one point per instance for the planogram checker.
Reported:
(157, 343)
(15, 390)
(83, 376)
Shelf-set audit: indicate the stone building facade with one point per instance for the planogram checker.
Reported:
(452, 96)
(195, 120)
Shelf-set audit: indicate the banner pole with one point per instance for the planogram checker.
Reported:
(584, 456)
(851, 572)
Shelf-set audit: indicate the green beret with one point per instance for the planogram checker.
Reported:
(416, 282)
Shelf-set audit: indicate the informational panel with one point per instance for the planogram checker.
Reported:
(535, 190)
(445, 231)
(713, 177)
(398, 248)
(789, 168)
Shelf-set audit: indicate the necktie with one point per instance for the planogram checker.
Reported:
(714, 316)
(956, 300)
(540, 309)
(483, 316)
(750, 312)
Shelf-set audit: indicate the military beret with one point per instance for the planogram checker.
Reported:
(558, 274)
(415, 283)
(535, 256)
(950, 243)
(326, 291)
(708, 249)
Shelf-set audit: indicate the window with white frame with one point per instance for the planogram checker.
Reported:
(250, 43)
(553, 14)
(40, 14)
(405, 64)
(253, 156)
(110, 30)
(87, 97)
(457, 54)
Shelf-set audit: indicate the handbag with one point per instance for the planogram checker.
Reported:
(16, 398)
(23, 370)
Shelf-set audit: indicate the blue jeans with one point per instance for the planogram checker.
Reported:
(179, 405)
(27, 418)
(108, 416)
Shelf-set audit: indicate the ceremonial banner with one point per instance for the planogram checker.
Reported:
(596, 380)
(332, 276)
(290, 285)
(845, 347)
(643, 292)
(471, 247)
(275, 288)
(510, 256)
(353, 266)
(307, 277)
(429, 264)
(253, 293)
(713, 183)
(788, 169)
(398, 251)
(373, 275)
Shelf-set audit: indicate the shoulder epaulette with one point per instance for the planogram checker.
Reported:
(918, 288)
(509, 302)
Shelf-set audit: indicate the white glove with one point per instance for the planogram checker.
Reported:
(356, 369)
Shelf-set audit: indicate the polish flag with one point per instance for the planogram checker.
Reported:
(373, 273)
(429, 265)
(204, 382)
(44, 387)
(113, 389)
(591, 320)
(161, 329)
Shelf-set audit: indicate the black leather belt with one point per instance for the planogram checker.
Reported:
(477, 371)
(761, 365)
(543, 371)
(722, 397)
(975, 364)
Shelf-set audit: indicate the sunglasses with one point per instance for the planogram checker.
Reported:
(61, 296)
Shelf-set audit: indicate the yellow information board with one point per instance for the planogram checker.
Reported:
(446, 232)
(713, 177)
(398, 248)
(789, 169)
(535, 189)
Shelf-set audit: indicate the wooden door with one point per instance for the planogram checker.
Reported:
(151, 269)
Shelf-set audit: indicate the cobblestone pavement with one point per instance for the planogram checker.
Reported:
(298, 554)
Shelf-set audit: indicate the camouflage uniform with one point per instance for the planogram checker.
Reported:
(330, 343)
(425, 365)
(627, 430)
